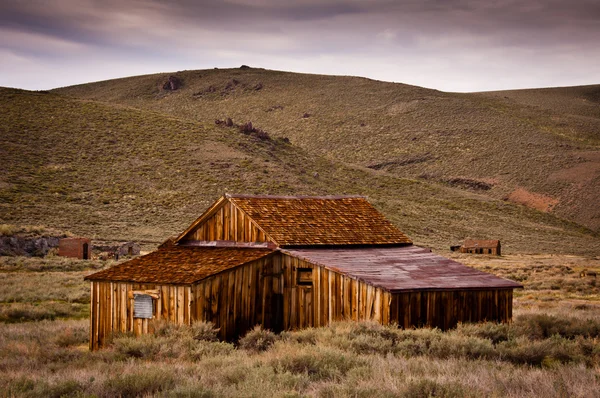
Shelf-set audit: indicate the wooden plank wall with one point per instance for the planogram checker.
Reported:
(229, 223)
(235, 300)
(444, 309)
(332, 297)
(112, 308)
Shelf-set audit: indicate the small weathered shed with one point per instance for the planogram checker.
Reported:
(481, 246)
(292, 262)
(75, 247)
(128, 249)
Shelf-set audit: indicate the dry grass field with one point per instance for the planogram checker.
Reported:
(551, 349)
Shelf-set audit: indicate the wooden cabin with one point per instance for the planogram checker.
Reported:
(481, 246)
(292, 262)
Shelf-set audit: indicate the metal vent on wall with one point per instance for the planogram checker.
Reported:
(142, 306)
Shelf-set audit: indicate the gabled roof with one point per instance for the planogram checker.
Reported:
(180, 264)
(488, 243)
(401, 269)
(314, 220)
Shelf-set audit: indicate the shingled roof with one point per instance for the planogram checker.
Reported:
(401, 269)
(319, 220)
(485, 243)
(180, 264)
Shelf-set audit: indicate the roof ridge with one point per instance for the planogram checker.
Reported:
(320, 197)
(229, 243)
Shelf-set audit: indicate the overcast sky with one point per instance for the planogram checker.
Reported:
(451, 45)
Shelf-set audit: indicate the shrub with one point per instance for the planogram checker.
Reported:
(147, 381)
(303, 336)
(258, 340)
(542, 326)
(209, 349)
(365, 344)
(317, 364)
(204, 331)
(496, 332)
(430, 388)
(524, 351)
(145, 346)
(458, 346)
(71, 336)
(376, 330)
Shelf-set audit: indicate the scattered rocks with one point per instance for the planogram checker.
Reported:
(469, 183)
(306, 115)
(275, 108)
(173, 83)
(246, 128)
(231, 87)
(27, 246)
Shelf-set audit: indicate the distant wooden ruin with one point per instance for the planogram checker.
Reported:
(287, 263)
(479, 246)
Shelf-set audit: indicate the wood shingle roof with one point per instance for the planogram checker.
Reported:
(319, 221)
(180, 264)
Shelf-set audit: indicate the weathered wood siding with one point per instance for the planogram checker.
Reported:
(444, 309)
(112, 308)
(229, 223)
(234, 301)
(332, 297)
(237, 300)
(266, 292)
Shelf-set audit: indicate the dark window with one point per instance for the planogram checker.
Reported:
(305, 276)
(86, 254)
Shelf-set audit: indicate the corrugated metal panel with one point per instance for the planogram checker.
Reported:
(398, 269)
(142, 306)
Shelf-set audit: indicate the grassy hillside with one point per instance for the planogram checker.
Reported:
(503, 145)
(115, 172)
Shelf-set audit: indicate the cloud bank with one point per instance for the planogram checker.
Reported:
(454, 45)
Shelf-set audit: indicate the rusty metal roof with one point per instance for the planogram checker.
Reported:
(320, 220)
(180, 264)
(487, 243)
(399, 269)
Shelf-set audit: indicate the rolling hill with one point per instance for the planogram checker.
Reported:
(540, 148)
(126, 159)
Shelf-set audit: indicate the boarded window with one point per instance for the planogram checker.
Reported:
(305, 276)
(142, 306)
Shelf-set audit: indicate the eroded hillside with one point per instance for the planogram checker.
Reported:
(111, 171)
(535, 147)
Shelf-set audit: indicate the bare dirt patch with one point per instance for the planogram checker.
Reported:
(534, 200)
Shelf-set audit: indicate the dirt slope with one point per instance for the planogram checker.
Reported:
(504, 145)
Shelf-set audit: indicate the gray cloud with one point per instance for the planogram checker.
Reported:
(392, 40)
